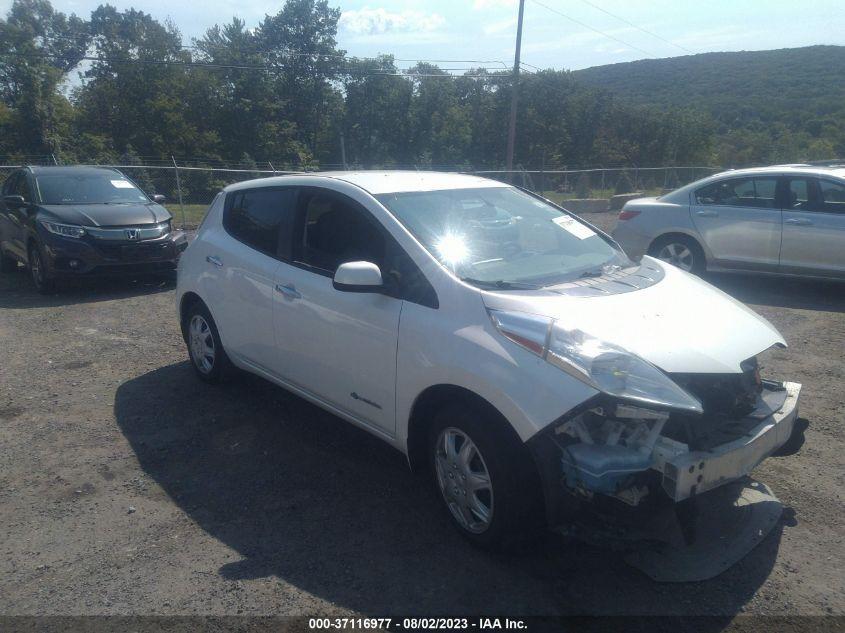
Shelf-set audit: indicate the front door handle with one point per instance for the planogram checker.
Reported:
(289, 291)
(798, 221)
(707, 214)
(213, 259)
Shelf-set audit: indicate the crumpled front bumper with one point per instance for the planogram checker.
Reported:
(692, 473)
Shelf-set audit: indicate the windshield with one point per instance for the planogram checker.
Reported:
(501, 237)
(105, 188)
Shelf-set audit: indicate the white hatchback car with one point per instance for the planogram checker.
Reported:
(494, 338)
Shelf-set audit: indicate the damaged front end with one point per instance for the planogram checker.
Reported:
(612, 467)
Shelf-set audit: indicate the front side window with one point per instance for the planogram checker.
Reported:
(88, 188)
(739, 192)
(799, 193)
(9, 184)
(21, 187)
(495, 236)
(256, 217)
(337, 231)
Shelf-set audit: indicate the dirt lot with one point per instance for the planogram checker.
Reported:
(127, 486)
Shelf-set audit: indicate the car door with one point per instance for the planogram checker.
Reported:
(814, 227)
(337, 346)
(16, 218)
(241, 261)
(739, 221)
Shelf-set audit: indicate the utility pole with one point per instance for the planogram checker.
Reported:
(515, 88)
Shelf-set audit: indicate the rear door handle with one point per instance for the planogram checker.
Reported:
(798, 221)
(289, 291)
(707, 214)
(213, 259)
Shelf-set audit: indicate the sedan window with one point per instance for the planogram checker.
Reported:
(739, 192)
(832, 196)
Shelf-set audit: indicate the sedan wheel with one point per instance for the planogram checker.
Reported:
(464, 480)
(201, 342)
(679, 255)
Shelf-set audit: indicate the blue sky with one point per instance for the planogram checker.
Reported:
(485, 29)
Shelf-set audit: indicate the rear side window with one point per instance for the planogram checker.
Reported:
(259, 217)
(832, 196)
(739, 192)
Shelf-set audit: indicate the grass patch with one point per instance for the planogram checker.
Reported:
(194, 213)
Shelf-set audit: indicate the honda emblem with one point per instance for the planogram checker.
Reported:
(132, 234)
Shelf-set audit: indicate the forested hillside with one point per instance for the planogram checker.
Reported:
(768, 106)
(120, 86)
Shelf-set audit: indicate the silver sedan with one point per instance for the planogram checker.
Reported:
(786, 220)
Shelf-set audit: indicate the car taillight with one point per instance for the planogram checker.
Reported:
(627, 215)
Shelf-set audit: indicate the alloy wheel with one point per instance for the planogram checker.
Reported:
(677, 254)
(201, 341)
(464, 480)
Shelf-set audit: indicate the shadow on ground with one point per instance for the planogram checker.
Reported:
(782, 292)
(308, 498)
(17, 291)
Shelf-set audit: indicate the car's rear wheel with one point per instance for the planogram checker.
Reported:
(484, 476)
(208, 357)
(41, 278)
(681, 251)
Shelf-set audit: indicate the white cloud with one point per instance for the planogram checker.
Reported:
(368, 21)
(492, 4)
(494, 28)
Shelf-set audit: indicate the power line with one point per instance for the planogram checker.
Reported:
(595, 30)
(639, 28)
(481, 73)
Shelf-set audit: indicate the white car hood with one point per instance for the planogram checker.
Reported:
(681, 324)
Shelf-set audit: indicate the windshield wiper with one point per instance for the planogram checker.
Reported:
(501, 284)
(591, 273)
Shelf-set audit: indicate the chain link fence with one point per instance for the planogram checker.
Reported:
(188, 190)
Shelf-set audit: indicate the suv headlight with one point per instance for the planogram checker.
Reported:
(65, 230)
(602, 365)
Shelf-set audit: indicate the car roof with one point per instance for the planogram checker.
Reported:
(57, 170)
(680, 194)
(796, 168)
(379, 182)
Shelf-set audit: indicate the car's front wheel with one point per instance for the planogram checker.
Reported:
(41, 278)
(484, 476)
(205, 349)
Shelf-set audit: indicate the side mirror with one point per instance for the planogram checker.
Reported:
(14, 202)
(157, 198)
(358, 277)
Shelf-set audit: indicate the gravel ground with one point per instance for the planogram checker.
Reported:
(129, 487)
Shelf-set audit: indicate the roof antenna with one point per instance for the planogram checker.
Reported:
(53, 156)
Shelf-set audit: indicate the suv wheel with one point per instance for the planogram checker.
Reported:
(681, 251)
(7, 264)
(208, 357)
(44, 284)
(486, 481)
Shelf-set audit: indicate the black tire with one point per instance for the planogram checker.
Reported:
(7, 264)
(41, 279)
(206, 335)
(515, 496)
(662, 247)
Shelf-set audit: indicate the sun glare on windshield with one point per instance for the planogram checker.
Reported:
(452, 249)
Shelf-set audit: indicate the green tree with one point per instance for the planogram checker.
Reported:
(38, 48)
